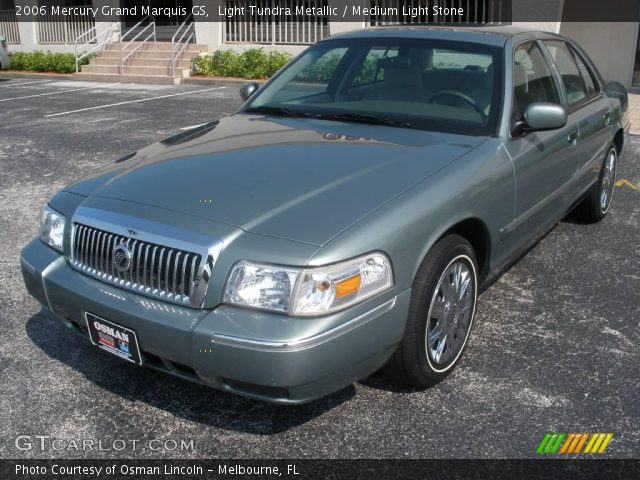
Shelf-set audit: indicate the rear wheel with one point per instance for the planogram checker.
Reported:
(596, 203)
(441, 313)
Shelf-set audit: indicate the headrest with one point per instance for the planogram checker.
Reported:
(520, 78)
(488, 78)
(424, 58)
(395, 62)
(400, 70)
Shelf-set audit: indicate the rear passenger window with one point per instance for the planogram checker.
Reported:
(532, 79)
(576, 77)
(587, 76)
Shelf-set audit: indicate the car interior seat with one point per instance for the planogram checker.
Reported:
(402, 80)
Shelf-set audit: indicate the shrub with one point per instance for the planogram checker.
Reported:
(39, 61)
(321, 70)
(275, 61)
(253, 63)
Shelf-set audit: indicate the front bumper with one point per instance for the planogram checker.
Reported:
(233, 349)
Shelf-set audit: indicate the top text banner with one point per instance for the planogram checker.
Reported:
(365, 12)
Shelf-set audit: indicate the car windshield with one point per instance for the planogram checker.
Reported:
(422, 84)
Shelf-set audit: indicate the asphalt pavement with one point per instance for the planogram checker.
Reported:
(554, 347)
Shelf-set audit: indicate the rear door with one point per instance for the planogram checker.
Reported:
(586, 105)
(544, 162)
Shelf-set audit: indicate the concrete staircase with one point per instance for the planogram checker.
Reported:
(150, 64)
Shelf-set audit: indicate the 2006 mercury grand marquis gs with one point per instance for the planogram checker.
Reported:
(343, 219)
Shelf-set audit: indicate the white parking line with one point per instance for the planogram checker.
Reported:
(24, 83)
(133, 101)
(50, 93)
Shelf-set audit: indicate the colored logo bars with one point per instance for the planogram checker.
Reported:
(574, 443)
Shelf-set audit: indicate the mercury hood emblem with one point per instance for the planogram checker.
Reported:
(122, 257)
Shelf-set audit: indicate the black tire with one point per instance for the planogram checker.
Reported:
(592, 209)
(411, 363)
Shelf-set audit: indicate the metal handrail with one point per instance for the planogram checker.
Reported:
(78, 47)
(123, 46)
(187, 25)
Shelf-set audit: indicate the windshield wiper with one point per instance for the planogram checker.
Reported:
(281, 111)
(363, 118)
(340, 117)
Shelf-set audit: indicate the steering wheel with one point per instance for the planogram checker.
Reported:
(461, 96)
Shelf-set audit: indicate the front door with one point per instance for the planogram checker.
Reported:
(587, 106)
(544, 162)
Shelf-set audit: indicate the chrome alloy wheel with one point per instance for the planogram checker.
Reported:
(608, 180)
(451, 313)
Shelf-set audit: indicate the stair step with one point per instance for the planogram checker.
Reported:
(140, 62)
(132, 70)
(110, 77)
(148, 54)
(101, 69)
(158, 46)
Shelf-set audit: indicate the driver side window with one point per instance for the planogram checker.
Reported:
(532, 79)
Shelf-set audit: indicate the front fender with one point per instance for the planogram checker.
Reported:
(478, 185)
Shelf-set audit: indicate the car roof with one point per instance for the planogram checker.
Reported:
(489, 35)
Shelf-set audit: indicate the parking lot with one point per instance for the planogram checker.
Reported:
(554, 347)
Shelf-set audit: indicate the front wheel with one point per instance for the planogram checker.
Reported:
(596, 203)
(441, 313)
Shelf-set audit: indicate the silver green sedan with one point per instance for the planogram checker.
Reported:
(343, 220)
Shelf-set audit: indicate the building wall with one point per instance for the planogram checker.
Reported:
(522, 9)
(29, 32)
(611, 46)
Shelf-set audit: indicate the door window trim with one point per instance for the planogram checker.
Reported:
(557, 81)
(588, 99)
(594, 78)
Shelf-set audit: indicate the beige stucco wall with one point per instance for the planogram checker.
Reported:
(526, 9)
(610, 45)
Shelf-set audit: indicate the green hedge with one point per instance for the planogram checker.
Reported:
(40, 61)
(252, 64)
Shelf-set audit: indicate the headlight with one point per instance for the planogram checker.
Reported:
(52, 228)
(311, 291)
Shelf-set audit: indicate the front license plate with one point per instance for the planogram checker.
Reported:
(113, 338)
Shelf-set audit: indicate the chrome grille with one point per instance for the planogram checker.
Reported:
(156, 270)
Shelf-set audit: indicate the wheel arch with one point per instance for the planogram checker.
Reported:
(476, 232)
(618, 140)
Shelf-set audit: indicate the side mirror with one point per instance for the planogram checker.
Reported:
(541, 116)
(617, 90)
(247, 90)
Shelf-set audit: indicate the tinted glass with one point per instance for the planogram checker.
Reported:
(424, 84)
(586, 74)
(532, 79)
(572, 77)
(371, 71)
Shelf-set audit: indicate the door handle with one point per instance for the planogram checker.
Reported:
(573, 137)
(607, 118)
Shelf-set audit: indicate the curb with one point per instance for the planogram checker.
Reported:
(219, 81)
(51, 76)
(223, 81)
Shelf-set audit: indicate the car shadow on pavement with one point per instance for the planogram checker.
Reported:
(379, 381)
(179, 397)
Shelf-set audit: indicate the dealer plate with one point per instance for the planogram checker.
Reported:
(113, 338)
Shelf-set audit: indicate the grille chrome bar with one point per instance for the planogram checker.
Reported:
(159, 271)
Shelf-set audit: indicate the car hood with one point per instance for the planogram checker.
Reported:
(300, 179)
